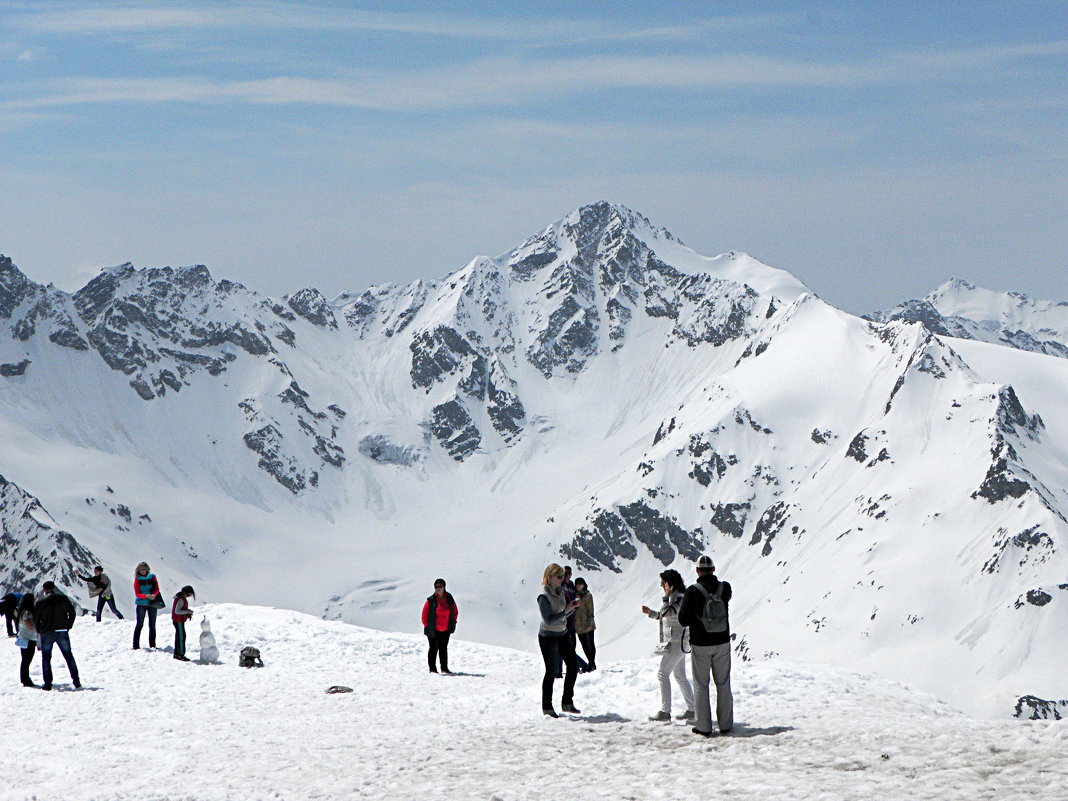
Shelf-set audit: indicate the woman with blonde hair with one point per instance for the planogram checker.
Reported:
(146, 588)
(554, 641)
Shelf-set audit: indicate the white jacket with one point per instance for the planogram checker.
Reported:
(670, 628)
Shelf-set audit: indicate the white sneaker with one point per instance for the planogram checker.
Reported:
(687, 715)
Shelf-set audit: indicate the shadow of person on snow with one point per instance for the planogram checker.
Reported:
(609, 717)
(461, 673)
(741, 730)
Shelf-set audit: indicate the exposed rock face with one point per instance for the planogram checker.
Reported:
(1030, 707)
(12, 370)
(158, 326)
(33, 549)
(611, 535)
(452, 426)
(313, 307)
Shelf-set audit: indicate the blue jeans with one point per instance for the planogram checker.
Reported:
(62, 639)
(110, 601)
(141, 612)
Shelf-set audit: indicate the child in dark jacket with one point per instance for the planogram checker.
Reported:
(180, 614)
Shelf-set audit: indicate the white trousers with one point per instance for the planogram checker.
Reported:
(714, 660)
(673, 663)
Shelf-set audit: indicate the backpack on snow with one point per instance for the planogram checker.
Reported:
(714, 612)
(250, 657)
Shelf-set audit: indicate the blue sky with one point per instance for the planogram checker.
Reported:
(872, 149)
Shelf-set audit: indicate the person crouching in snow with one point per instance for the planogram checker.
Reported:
(439, 622)
(180, 615)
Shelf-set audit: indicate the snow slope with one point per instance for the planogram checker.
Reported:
(146, 727)
(599, 395)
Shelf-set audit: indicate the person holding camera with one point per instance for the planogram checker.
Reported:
(554, 642)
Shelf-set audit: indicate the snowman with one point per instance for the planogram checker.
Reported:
(209, 651)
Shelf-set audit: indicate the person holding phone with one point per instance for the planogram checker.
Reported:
(553, 640)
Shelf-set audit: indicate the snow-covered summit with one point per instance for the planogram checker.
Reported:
(961, 309)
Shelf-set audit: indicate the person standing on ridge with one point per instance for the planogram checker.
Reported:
(54, 615)
(672, 646)
(705, 610)
(439, 622)
(27, 636)
(146, 589)
(585, 624)
(570, 594)
(100, 588)
(554, 642)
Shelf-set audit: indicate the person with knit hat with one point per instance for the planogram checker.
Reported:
(705, 610)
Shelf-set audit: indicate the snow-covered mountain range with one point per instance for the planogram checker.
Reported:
(880, 494)
(960, 309)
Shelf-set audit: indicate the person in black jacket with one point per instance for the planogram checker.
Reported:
(710, 651)
(54, 616)
(8, 605)
(439, 622)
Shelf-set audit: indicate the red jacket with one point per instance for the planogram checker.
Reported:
(180, 611)
(445, 614)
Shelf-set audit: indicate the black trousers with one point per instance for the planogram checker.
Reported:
(554, 649)
(589, 647)
(101, 600)
(439, 647)
(27, 658)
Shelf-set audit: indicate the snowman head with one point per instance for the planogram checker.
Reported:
(204, 626)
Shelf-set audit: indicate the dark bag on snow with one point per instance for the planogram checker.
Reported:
(250, 657)
(158, 602)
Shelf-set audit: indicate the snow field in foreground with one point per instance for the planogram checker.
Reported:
(147, 727)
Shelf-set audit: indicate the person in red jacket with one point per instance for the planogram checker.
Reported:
(439, 622)
(180, 615)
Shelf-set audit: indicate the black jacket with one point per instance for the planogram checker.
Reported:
(693, 603)
(54, 612)
(430, 629)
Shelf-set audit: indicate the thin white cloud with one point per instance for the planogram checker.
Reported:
(118, 18)
(515, 80)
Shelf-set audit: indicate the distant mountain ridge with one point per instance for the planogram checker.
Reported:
(961, 309)
(599, 394)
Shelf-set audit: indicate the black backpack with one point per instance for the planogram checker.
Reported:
(714, 612)
(250, 657)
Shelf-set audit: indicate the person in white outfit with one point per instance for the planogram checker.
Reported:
(673, 646)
